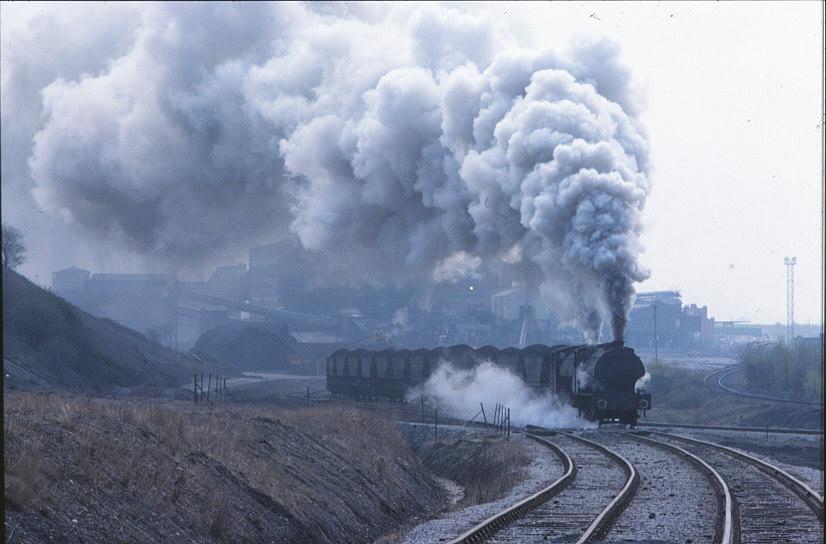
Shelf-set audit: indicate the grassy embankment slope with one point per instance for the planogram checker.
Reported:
(49, 344)
(96, 470)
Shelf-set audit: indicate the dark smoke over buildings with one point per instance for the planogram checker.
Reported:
(397, 144)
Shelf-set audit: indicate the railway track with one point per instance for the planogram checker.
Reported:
(774, 430)
(689, 498)
(595, 488)
(756, 502)
(702, 491)
(719, 375)
(768, 504)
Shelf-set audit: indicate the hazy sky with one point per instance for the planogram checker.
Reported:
(734, 105)
(732, 96)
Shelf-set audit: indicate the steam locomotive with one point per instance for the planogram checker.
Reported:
(598, 380)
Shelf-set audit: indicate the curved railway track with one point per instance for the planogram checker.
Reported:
(574, 513)
(756, 502)
(724, 523)
(768, 504)
(724, 373)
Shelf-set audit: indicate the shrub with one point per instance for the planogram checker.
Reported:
(794, 369)
(675, 387)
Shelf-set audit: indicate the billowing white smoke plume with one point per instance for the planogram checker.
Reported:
(454, 267)
(399, 143)
(459, 392)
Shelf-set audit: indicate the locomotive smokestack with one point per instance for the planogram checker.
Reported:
(618, 323)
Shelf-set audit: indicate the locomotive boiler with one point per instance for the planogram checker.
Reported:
(598, 380)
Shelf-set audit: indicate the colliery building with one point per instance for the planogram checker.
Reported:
(661, 315)
(274, 287)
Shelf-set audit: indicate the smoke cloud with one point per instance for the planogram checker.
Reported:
(457, 266)
(396, 143)
(458, 392)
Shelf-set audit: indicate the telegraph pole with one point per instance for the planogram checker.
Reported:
(656, 336)
(790, 262)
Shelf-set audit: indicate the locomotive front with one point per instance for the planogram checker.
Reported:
(604, 388)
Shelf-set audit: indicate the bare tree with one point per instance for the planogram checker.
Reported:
(14, 252)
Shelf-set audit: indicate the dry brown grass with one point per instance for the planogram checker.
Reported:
(487, 467)
(25, 481)
(307, 461)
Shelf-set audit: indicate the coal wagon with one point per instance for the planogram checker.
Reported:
(599, 380)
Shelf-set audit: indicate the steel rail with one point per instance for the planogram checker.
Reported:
(725, 515)
(756, 396)
(779, 430)
(800, 489)
(497, 521)
(610, 513)
(707, 377)
(725, 372)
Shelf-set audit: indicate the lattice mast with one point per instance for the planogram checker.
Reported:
(789, 262)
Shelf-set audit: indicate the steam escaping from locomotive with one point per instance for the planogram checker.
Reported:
(459, 393)
(642, 383)
(399, 144)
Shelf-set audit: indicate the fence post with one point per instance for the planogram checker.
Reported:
(225, 388)
(209, 385)
(509, 423)
(483, 414)
(436, 426)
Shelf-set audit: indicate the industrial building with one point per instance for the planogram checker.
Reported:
(276, 286)
(146, 303)
(660, 318)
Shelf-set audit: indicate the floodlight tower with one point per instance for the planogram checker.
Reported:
(790, 262)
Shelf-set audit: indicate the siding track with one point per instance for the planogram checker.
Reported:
(719, 375)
